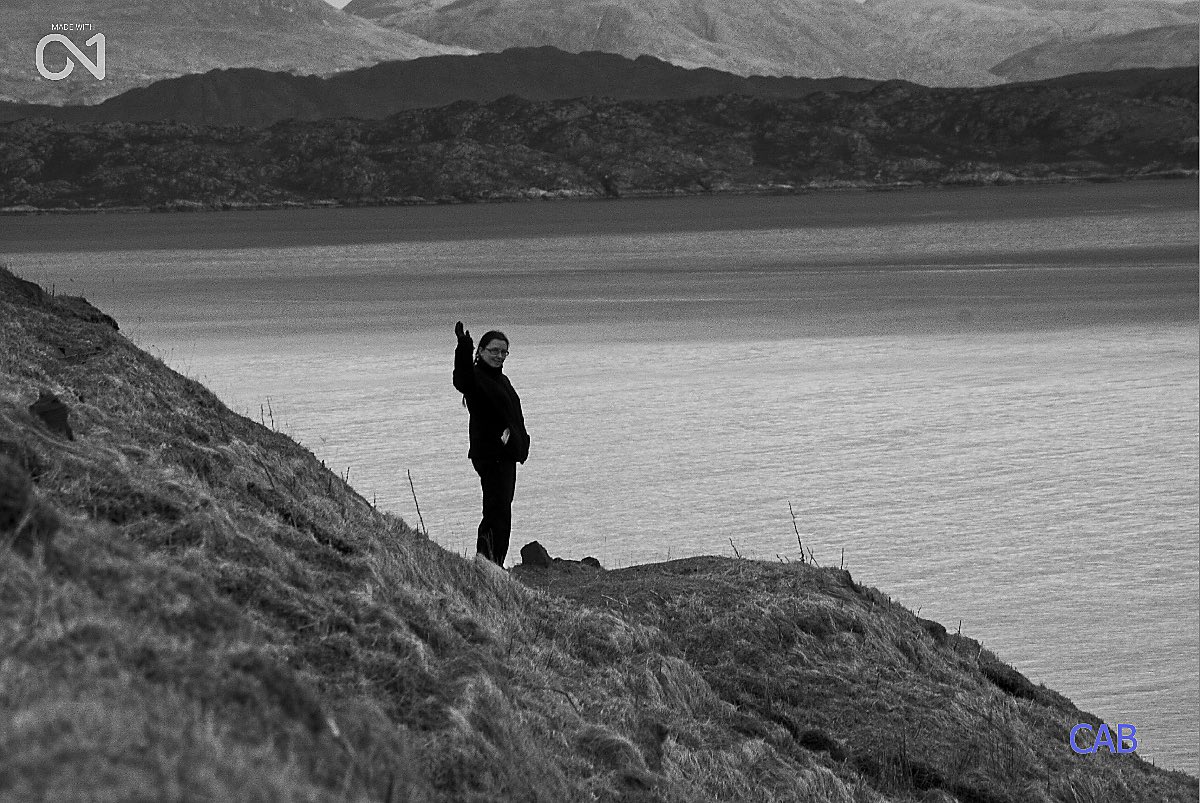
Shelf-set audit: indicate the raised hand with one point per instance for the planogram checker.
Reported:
(461, 333)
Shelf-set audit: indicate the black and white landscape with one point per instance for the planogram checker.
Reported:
(857, 348)
(930, 42)
(147, 41)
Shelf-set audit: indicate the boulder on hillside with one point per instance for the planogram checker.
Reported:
(535, 556)
(53, 412)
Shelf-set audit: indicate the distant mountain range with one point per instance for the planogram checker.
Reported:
(1104, 125)
(930, 42)
(257, 98)
(148, 40)
(1168, 46)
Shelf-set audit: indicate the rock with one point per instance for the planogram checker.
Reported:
(587, 565)
(53, 413)
(534, 554)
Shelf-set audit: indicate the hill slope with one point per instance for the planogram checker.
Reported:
(1108, 125)
(195, 608)
(931, 42)
(1167, 46)
(147, 41)
(258, 98)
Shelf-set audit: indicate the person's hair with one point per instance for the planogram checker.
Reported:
(488, 337)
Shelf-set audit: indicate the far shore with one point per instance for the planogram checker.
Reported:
(989, 179)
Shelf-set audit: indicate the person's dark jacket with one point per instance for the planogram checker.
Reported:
(494, 407)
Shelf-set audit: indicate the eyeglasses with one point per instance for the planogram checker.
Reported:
(497, 352)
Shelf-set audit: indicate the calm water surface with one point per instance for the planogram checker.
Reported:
(985, 402)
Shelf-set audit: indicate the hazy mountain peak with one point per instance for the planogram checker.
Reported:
(1166, 46)
(147, 40)
(935, 42)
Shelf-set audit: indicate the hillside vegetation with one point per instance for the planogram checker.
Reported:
(194, 608)
(1114, 125)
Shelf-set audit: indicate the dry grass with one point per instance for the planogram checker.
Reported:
(829, 668)
(193, 607)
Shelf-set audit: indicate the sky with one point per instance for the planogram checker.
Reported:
(342, 3)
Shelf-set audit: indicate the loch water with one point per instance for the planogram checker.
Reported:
(984, 402)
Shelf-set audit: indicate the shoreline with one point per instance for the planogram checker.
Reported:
(968, 181)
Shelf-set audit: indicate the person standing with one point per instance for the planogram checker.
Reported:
(497, 433)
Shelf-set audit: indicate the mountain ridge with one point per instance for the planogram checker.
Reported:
(256, 97)
(930, 42)
(147, 41)
(1164, 46)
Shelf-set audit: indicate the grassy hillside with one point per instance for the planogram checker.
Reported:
(194, 608)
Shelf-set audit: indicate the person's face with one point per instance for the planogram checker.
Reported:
(494, 354)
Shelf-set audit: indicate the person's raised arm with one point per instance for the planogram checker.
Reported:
(464, 364)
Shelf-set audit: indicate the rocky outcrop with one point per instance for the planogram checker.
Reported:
(54, 413)
(534, 557)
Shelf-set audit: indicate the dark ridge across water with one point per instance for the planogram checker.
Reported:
(281, 228)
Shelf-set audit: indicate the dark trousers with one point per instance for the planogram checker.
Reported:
(499, 481)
